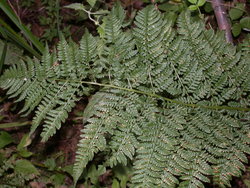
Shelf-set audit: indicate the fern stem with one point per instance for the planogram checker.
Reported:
(161, 97)
(222, 20)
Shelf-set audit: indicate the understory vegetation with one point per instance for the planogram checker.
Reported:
(151, 95)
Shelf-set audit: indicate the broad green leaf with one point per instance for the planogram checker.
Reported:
(58, 179)
(76, 6)
(193, 1)
(5, 139)
(115, 183)
(236, 29)
(245, 23)
(25, 167)
(167, 7)
(94, 173)
(68, 169)
(101, 169)
(122, 173)
(237, 12)
(25, 141)
(193, 7)
(50, 163)
(24, 153)
(201, 3)
(91, 2)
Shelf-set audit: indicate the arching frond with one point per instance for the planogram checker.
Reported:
(172, 102)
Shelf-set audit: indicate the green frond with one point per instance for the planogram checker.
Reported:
(57, 116)
(151, 158)
(118, 12)
(174, 102)
(49, 101)
(88, 49)
(37, 84)
(88, 146)
(124, 142)
(93, 139)
(33, 96)
(67, 56)
(112, 28)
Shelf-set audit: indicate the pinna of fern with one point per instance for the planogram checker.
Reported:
(173, 103)
(39, 84)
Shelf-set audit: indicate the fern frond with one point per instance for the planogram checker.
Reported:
(87, 52)
(175, 145)
(124, 142)
(113, 28)
(149, 34)
(37, 83)
(151, 158)
(174, 102)
(93, 138)
(57, 116)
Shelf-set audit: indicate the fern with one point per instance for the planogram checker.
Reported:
(175, 103)
(36, 83)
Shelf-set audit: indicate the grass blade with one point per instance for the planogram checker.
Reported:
(27, 33)
(2, 59)
(9, 33)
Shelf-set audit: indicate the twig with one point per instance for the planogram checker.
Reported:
(222, 20)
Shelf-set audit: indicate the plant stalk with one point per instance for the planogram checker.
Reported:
(153, 95)
(222, 20)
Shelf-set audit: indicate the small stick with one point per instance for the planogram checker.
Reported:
(222, 20)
